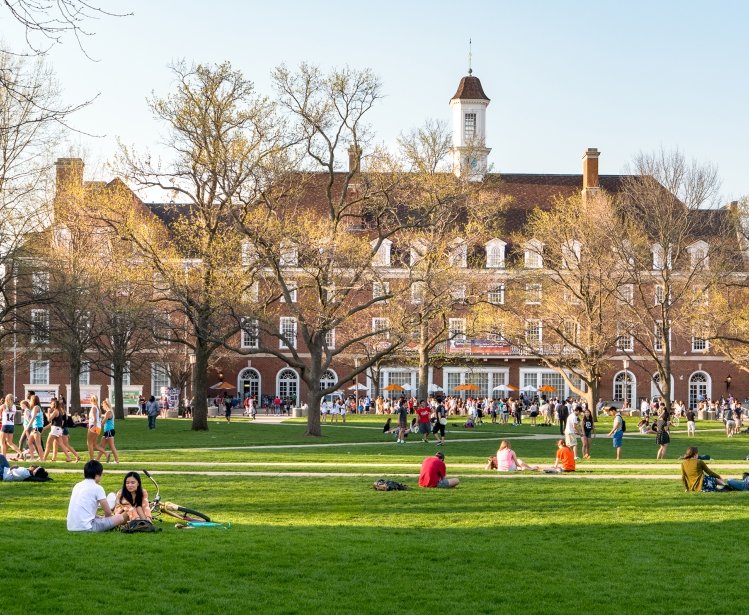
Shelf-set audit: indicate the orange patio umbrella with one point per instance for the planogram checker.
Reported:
(546, 388)
(394, 387)
(467, 387)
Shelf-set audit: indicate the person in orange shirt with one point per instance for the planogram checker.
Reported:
(565, 461)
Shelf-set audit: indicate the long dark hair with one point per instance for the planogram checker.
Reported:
(135, 499)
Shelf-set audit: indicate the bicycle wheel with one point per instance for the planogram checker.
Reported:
(182, 513)
(675, 421)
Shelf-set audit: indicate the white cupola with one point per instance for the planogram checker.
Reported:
(469, 129)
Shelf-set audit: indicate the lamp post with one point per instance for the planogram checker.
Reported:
(625, 397)
(728, 383)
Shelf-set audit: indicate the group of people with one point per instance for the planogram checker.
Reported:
(100, 429)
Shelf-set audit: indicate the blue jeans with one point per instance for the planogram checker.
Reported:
(151, 421)
(3, 464)
(737, 484)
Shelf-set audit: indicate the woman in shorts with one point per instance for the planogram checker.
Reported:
(662, 438)
(33, 425)
(94, 429)
(55, 439)
(589, 428)
(8, 410)
(108, 437)
(65, 437)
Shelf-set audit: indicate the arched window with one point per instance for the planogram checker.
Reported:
(328, 379)
(248, 383)
(655, 393)
(625, 387)
(287, 385)
(495, 254)
(699, 388)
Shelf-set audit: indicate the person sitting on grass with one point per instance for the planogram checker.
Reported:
(507, 461)
(565, 461)
(132, 498)
(695, 474)
(87, 496)
(433, 473)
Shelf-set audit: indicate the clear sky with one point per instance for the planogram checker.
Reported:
(563, 75)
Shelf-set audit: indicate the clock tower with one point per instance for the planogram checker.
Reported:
(469, 149)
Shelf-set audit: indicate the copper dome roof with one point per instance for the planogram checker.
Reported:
(470, 89)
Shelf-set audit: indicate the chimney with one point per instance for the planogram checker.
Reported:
(590, 169)
(354, 158)
(69, 174)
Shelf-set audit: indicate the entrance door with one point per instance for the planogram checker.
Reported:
(248, 383)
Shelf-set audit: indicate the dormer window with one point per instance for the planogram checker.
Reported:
(417, 252)
(698, 257)
(459, 253)
(289, 256)
(661, 260)
(534, 254)
(495, 254)
(571, 251)
(382, 256)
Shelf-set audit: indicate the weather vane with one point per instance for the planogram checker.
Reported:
(470, 70)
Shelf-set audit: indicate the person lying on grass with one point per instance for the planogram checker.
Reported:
(565, 461)
(507, 461)
(87, 496)
(433, 473)
(10, 473)
(695, 474)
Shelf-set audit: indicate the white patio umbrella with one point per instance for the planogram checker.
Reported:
(529, 389)
(358, 387)
(501, 387)
(406, 387)
(435, 388)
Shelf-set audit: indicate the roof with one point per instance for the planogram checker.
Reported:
(470, 89)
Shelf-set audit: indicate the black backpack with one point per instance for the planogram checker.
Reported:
(139, 525)
(388, 485)
(624, 423)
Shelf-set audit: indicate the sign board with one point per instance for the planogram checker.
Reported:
(87, 390)
(45, 391)
(480, 347)
(130, 395)
(172, 395)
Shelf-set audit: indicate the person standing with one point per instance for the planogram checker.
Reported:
(108, 437)
(94, 429)
(572, 429)
(227, 408)
(617, 431)
(589, 428)
(402, 421)
(425, 427)
(662, 438)
(562, 412)
(440, 413)
(8, 410)
(152, 410)
(434, 473)
(691, 422)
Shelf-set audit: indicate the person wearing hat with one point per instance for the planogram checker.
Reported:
(433, 473)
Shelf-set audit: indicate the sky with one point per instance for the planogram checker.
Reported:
(625, 77)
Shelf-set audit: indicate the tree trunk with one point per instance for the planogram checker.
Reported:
(423, 372)
(200, 389)
(591, 397)
(313, 414)
(75, 385)
(119, 406)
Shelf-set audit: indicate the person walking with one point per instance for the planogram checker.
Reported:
(617, 431)
(94, 429)
(152, 410)
(662, 437)
(108, 437)
(572, 429)
(423, 413)
(691, 422)
(8, 410)
(440, 414)
(402, 421)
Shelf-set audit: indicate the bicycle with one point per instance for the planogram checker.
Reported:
(181, 513)
(675, 421)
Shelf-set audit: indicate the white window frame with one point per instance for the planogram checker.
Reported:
(125, 374)
(458, 292)
(624, 342)
(627, 294)
(39, 282)
(250, 333)
(571, 252)
(458, 256)
(496, 294)
(157, 370)
(293, 287)
(417, 292)
(657, 340)
(456, 329)
(470, 125)
(381, 325)
(533, 254)
(251, 293)
(380, 288)
(330, 339)
(698, 254)
(495, 254)
(40, 326)
(39, 372)
(537, 324)
(84, 376)
(249, 255)
(382, 256)
(288, 255)
(533, 293)
(287, 327)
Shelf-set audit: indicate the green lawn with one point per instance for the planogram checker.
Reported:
(333, 545)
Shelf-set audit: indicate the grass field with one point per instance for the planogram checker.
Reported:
(331, 544)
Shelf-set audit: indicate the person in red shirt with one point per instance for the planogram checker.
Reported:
(425, 426)
(433, 473)
(565, 461)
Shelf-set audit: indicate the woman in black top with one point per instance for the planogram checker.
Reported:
(662, 437)
(588, 430)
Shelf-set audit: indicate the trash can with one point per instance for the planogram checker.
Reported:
(711, 415)
(212, 412)
(299, 413)
(701, 415)
(172, 413)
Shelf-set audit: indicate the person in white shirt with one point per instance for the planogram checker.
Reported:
(8, 410)
(572, 429)
(87, 496)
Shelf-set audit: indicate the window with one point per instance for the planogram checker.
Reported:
(570, 331)
(330, 338)
(658, 336)
(292, 287)
(698, 255)
(288, 256)
(417, 292)
(159, 378)
(39, 283)
(125, 374)
(699, 340)
(497, 294)
(458, 292)
(380, 289)
(533, 333)
(251, 293)
(458, 253)
(288, 385)
(661, 259)
(250, 333)
(329, 379)
(162, 329)
(288, 332)
(533, 293)
(40, 326)
(248, 253)
(39, 372)
(624, 341)
(382, 256)
(624, 384)
(495, 254)
(160, 285)
(417, 252)
(627, 294)
(84, 377)
(469, 126)
(456, 329)
(570, 298)
(84, 323)
(533, 254)
(699, 388)
(381, 325)
(660, 294)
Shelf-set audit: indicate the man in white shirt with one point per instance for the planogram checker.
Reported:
(571, 430)
(87, 496)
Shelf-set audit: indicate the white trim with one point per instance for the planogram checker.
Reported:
(278, 382)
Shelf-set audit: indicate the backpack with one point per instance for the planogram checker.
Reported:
(139, 525)
(388, 485)
(624, 424)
